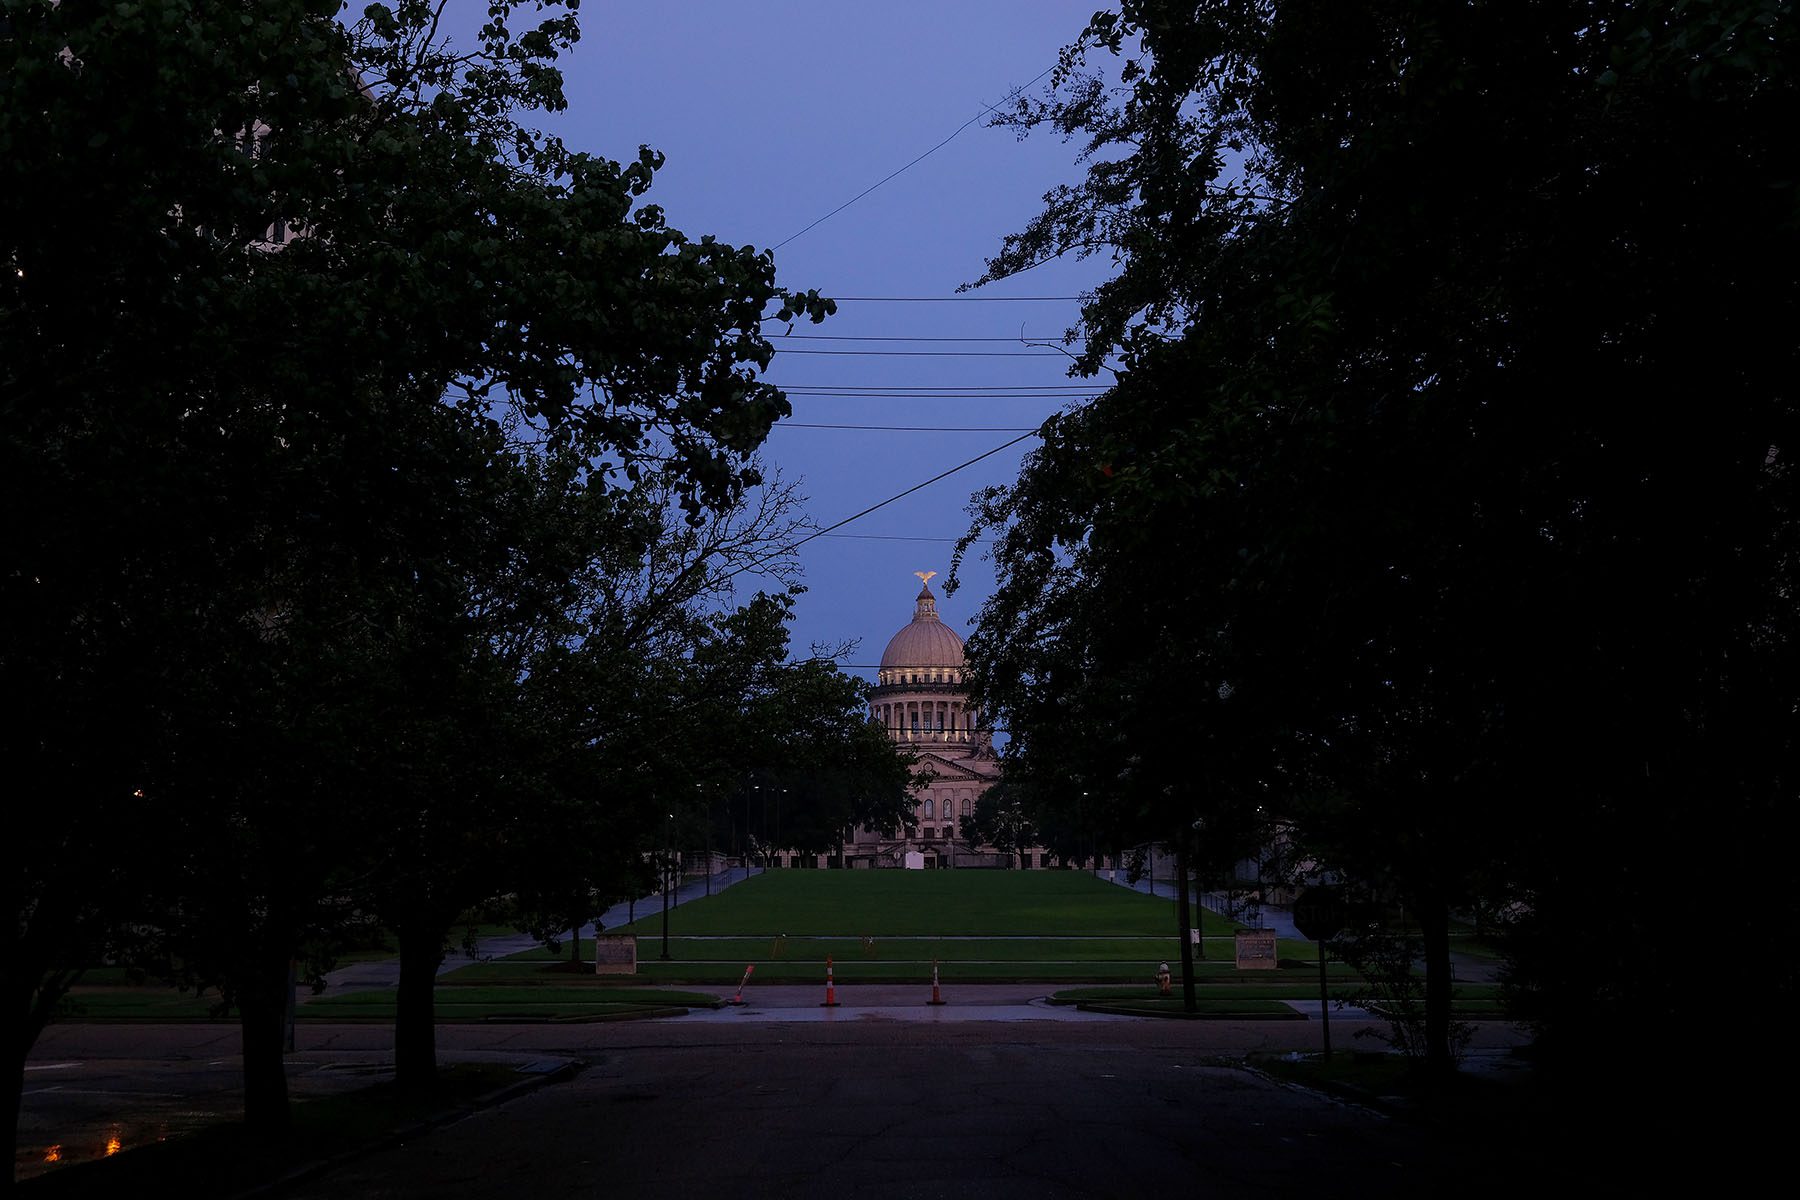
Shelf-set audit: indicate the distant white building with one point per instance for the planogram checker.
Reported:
(921, 700)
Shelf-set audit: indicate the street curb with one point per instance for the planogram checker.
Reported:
(1119, 1010)
(1340, 1093)
(307, 1171)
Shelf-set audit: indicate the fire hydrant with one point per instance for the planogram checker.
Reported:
(1162, 979)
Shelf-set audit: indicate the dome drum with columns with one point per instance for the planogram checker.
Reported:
(919, 696)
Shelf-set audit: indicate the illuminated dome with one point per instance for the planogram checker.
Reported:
(926, 642)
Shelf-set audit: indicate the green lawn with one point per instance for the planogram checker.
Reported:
(720, 961)
(1284, 985)
(546, 1002)
(924, 904)
(844, 950)
(888, 926)
(1052, 927)
(150, 1002)
(1217, 1007)
(724, 974)
(1470, 1000)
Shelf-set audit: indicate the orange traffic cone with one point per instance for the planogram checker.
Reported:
(830, 987)
(739, 998)
(937, 997)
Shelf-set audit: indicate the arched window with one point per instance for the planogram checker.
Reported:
(928, 809)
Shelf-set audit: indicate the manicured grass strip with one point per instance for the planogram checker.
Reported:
(1151, 1002)
(1231, 995)
(546, 994)
(924, 904)
(147, 1003)
(799, 949)
(1232, 1007)
(1467, 1008)
(721, 974)
(899, 961)
(545, 1002)
(452, 1014)
(1471, 998)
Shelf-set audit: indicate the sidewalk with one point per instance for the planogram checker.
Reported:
(385, 973)
(1464, 968)
(1265, 916)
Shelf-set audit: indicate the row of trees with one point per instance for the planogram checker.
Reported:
(1442, 511)
(377, 467)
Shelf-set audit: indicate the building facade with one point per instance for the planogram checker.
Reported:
(921, 700)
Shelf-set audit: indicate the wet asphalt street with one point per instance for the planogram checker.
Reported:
(855, 1101)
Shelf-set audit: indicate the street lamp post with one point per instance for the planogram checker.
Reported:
(706, 811)
(1088, 862)
(1199, 913)
(668, 871)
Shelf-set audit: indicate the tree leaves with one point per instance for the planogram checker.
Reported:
(1389, 524)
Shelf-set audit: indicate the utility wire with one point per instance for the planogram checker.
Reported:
(849, 388)
(927, 353)
(942, 300)
(791, 547)
(799, 395)
(915, 428)
(891, 174)
(900, 537)
(857, 337)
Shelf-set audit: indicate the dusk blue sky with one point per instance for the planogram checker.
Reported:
(773, 114)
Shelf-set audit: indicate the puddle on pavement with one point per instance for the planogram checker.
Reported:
(81, 1145)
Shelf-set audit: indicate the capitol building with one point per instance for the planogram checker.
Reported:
(920, 699)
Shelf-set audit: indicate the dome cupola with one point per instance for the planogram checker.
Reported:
(926, 642)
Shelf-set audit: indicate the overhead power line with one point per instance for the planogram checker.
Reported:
(901, 169)
(870, 337)
(790, 548)
(900, 537)
(890, 175)
(947, 299)
(941, 387)
(802, 395)
(915, 428)
(1059, 357)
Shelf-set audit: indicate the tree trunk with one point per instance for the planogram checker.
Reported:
(415, 1005)
(1188, 1001)
(1434, 927)
(32, 993)
(575, 946)
(18, 1046)
(262, 1013)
